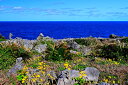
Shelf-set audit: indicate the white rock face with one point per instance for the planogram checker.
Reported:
(41, 48)
(92, 74)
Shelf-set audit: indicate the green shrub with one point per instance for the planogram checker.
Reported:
(9, 53)
(79, 67)
(114, 52)
(58, 52)
(86, 41)
(125, 40)
(2, 38)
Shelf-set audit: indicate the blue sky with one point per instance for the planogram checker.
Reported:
(63, 10)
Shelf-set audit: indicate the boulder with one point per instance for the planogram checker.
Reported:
(103, 83)
(85, 50)
(10, 35)
(40, 48)
(66, 77)
(74, 45)
(40, 37)
(17, 66)
(92, 74)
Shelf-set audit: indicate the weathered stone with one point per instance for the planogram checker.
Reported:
(103, 83)
(41, 48)
(52, 73)
(28, 44)
(17, 66)
(66, 77)
(10, 35)
(92, 74)
(85, 50)
(74, 45)
(40, 37)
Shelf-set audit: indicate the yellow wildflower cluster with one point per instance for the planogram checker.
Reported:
(82, 74)
(107, 61)
(67, 66)
(50, 76)
(24, 79)
(105, 80)
(110, 79)
(38, 76)
(112, 62)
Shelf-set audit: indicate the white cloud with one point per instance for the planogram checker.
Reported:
(17, 8)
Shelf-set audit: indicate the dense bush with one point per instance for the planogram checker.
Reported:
(2, 38)
(9, 53)
(86, 42)
(58, 52)
(125, 40)
(114, 52)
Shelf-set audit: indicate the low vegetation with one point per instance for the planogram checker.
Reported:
(110, 58)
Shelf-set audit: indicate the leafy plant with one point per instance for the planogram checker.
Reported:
(113, 52)
(9, 53)
(80, 81)
(125, 40)
(79, 67)
(86, 42)
(59, 52)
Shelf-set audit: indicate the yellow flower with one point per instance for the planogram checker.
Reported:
(41, 80)
(25, 68)
(69, 68)
(80, 76)
(40, 67)
(82, 72)
(43, 72)
(40, 63)
(113, 82)
(34, 79)
(37, 76)
(109, 77)
(23, 81)
(26, 72)
(110, 60)
(106, 80)
(116, 63)
(66, 65)
(48, 74)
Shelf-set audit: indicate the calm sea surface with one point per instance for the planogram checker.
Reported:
(59, 30)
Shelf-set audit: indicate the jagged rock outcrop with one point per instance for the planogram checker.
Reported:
(28, 44)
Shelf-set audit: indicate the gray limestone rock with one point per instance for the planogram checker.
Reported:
(66, 77)
(92, 74)
(41, 48)
(40, 37)
(103, 83)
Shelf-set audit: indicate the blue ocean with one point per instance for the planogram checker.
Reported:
(64, 29)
